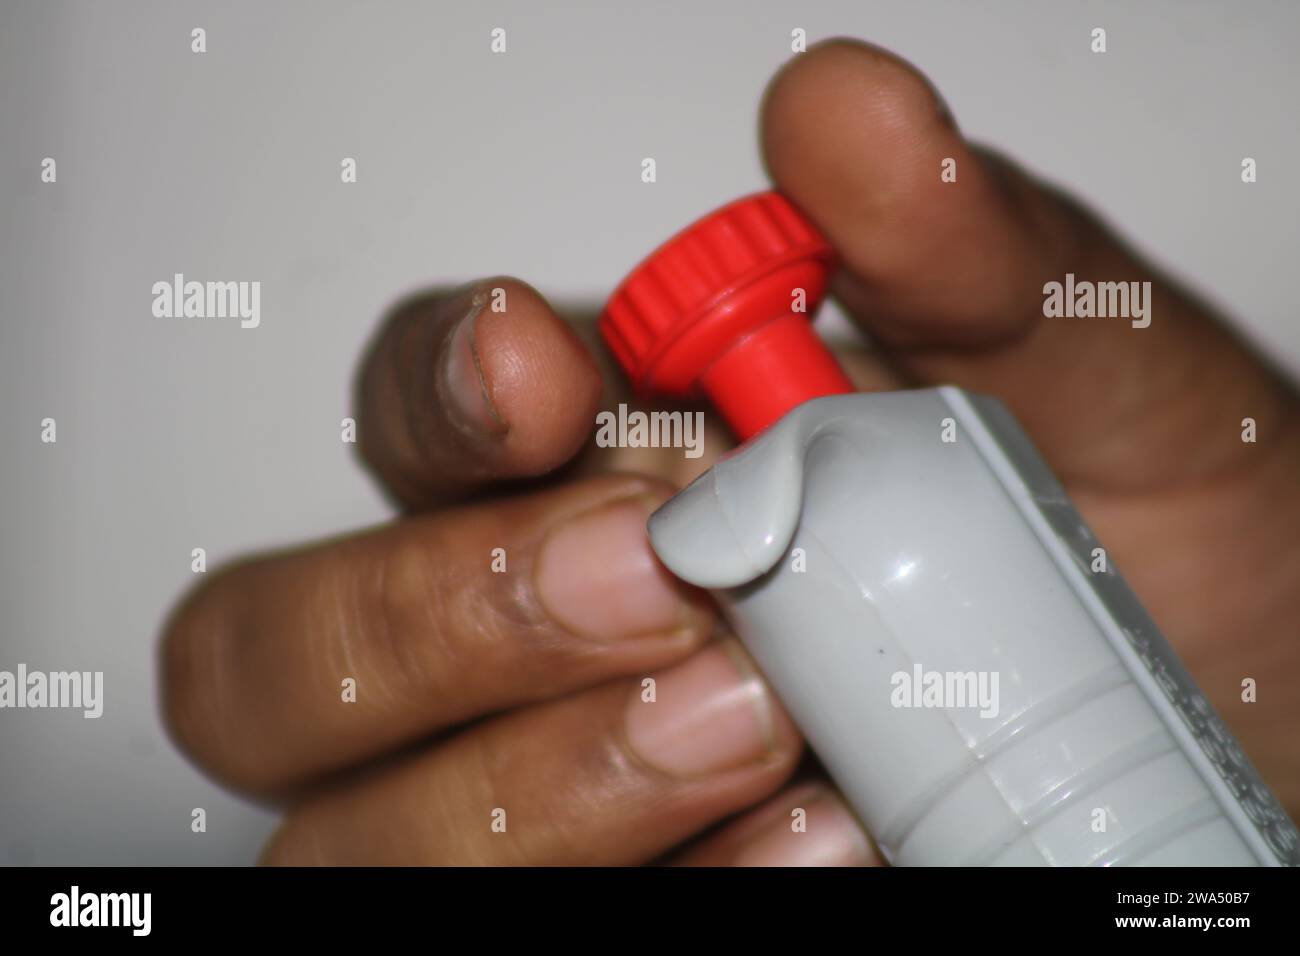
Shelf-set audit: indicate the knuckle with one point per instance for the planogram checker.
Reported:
(447, 624)
(434, 630)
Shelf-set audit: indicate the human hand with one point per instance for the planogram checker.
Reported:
(521, 690)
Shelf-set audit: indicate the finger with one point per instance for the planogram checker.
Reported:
(806, 824)
(949, 277)
(604, 777)
(475, 386)
(284, 668)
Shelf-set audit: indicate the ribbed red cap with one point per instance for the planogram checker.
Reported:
(713, 310)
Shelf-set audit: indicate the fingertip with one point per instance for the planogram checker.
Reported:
(931, 242)
(841, 91)
(543, 384)
(471, 386)
(855, 137)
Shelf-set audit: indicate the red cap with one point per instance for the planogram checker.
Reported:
(712, 311)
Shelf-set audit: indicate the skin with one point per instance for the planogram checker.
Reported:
(478, 691)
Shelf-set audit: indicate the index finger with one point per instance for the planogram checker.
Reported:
(474, 386)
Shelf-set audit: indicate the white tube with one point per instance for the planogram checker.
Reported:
(919, 590)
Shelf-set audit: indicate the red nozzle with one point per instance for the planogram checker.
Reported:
(722, 309)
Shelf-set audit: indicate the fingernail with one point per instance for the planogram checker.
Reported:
(710, 714)
(597, 576)
(825, 834)
(461, 385)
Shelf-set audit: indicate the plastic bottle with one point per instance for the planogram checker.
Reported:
(919, 590)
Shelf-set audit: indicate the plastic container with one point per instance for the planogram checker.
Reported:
(919, 590)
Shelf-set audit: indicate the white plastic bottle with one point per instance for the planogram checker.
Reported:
(919, 590)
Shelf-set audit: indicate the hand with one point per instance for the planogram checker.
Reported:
(521, 691)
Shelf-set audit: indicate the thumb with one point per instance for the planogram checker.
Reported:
(948, 275)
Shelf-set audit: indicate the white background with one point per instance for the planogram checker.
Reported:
(174, 434)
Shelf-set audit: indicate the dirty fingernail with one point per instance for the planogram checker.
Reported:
(461, 385)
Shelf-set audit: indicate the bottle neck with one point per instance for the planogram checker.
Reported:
(770, 372)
